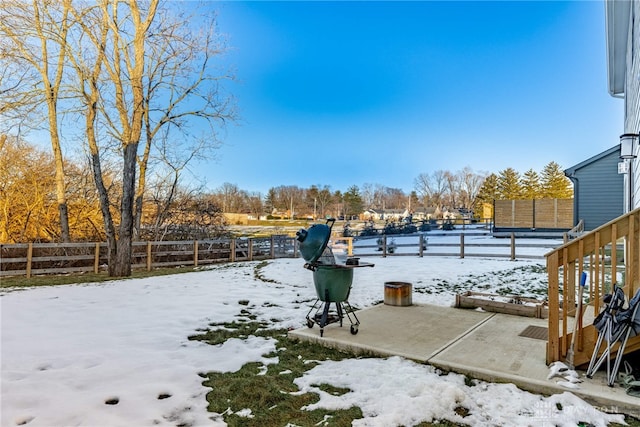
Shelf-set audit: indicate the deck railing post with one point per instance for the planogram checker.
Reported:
(553, 351)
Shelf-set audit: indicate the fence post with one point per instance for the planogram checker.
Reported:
(513, 246)
(461, 245)
(96, 259)
(421, 243)
(350, 246)
(195, 253)
(384, 246)
(273, 247)
(29, 256)
(149, 256)
(250, 254)
(232, 250)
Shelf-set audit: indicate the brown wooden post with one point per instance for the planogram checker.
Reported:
(350, 246)
(580, 337)
(462, 245)
(195, 253)
(614, 254)
(232, 250)
(513, 246)
(596, 274)
(250, 254)
(634, 255)
(149, 263)
(553, 351)
(29, 257)
(570, 290)
(565, 306)
(96, 259)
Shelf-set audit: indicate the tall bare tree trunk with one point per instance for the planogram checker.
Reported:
(125, 236)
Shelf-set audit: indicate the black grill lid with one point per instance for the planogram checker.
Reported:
(314, 240)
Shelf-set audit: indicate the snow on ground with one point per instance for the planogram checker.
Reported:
(117, 353)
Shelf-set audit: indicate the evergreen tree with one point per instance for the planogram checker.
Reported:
(270, 201)
(531, 188)
(555, 185)
(509, 185)
(489, 190)
(352, 202)
(487, 193)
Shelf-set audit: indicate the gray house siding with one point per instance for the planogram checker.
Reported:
(632, 93)
(598, 189)
(623, 68)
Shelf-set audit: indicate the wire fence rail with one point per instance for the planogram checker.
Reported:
(29, 259)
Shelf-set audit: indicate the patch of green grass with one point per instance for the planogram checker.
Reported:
(257, 272)
(269, 390)
(224, 331)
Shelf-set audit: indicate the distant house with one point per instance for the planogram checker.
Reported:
(400, 214)
(598, 189)
(384, 214)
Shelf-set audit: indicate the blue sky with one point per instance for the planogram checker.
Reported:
(348, 93)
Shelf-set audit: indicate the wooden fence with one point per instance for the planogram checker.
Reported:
(610, 255)
(27, 259)
(534, 214)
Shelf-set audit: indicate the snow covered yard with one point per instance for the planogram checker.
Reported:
(118, 353)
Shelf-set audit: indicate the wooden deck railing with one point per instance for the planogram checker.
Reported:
(609, 255)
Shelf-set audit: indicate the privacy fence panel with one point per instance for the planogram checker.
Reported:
(534, 214)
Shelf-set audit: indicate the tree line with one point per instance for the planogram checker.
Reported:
(173, 211)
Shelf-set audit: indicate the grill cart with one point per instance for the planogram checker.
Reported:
(332, 280)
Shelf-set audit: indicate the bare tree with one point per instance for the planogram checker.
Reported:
(395, 198)
(35, 37)
(367, 193)
(255, 204)
(180, 88)
(109, 61)
(470, 184)
(431, 188)
(230, 197)
(452, 189)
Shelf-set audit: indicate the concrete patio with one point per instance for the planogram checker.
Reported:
(483, 345)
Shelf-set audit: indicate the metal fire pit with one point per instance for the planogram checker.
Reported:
(332, 280)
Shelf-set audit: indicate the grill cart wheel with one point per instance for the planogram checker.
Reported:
(354, 329)
(310, 323)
